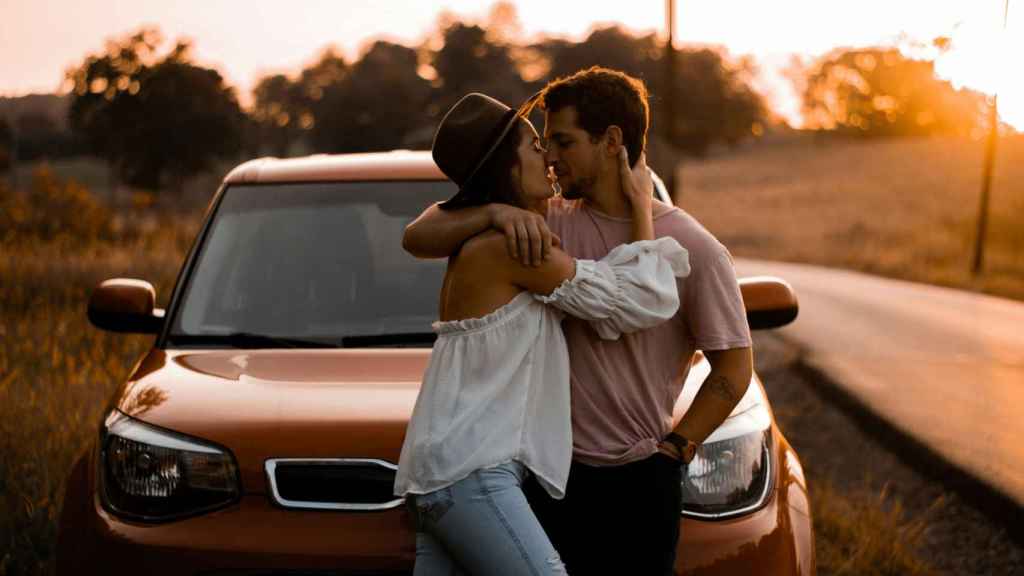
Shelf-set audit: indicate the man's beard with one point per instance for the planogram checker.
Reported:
(577, 189)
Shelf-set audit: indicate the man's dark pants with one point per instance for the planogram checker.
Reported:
(615, 519)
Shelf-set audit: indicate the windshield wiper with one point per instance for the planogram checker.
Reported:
(250, 340)
(410, 339)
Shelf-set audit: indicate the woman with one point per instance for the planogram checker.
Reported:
(494, 405)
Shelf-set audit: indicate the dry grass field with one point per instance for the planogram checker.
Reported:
(900, 208)
(57, 372)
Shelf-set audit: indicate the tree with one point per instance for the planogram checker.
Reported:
(285, 109)
(104, 88)
(470, 62)
(715, 101)
(276, 110)
(393, 96)
(40, 136)
(610, 47)
(6, 139)
(155, 120)
(329, 70)
(881, 92)
(189, 118)
(375, 105)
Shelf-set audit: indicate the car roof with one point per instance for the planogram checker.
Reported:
(394, 165)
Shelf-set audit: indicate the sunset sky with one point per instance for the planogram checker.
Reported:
(246, 39)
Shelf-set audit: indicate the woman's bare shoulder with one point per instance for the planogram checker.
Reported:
(486, 244)
(494, 246)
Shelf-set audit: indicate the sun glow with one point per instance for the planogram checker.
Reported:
(984, 57)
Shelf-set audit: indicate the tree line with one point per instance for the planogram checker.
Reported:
(157, 118)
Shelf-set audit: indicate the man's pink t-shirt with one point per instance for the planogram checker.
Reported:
(623, 391)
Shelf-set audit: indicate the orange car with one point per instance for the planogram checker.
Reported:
(260, 433)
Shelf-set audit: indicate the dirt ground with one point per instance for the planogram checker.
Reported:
(955, 536)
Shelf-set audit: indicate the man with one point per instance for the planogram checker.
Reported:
(623, 498)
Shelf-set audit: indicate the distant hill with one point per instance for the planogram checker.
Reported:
(53, 106)
(899, 207)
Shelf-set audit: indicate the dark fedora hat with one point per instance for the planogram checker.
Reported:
(467, 137)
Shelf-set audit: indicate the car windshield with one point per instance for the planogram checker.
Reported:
(312, 265)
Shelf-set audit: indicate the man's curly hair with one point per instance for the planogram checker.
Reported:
(603, 97)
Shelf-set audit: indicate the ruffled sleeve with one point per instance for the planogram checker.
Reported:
(630, 289)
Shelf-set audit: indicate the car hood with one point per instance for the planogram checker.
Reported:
(262, 404)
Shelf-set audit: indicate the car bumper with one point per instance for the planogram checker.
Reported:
(255, 537)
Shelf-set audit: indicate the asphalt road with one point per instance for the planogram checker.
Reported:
(943, 366)
(868, 499)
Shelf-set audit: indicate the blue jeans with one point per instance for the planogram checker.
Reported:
(482, 525)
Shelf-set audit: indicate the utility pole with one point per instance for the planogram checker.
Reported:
(669, 121)
(986, 178)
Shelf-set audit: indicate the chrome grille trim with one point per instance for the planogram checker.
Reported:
(271, 468)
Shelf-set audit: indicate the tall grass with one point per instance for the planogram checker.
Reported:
(862, 533)
(57, 372)
(905, 208)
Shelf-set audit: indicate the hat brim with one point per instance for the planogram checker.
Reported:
(465, 197)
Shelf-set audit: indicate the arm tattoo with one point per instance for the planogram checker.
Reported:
(720, 386)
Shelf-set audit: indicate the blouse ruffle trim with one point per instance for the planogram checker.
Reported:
(666, 247)
(500, 315)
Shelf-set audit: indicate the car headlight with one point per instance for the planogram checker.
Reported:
(729, 477)
(154, 475)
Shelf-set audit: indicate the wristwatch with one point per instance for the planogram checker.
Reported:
(687, 448)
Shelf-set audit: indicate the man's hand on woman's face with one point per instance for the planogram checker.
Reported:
(527, 234)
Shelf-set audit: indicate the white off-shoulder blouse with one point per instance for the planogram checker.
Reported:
(497, 387)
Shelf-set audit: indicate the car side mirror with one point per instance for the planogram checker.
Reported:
(125, 305)
(770, 302)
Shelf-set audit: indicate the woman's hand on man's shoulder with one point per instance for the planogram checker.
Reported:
(527, 236)
(487, 254)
